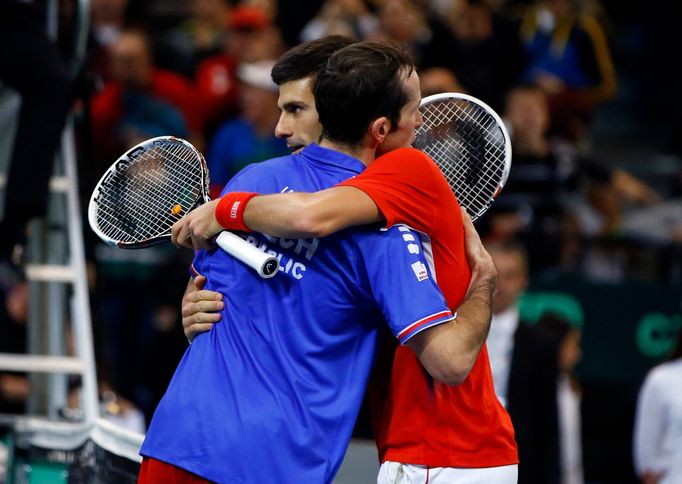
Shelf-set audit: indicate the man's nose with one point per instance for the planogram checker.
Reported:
(282, 130)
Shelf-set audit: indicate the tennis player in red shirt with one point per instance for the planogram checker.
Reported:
(426, 430)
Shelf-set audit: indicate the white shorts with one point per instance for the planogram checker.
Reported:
(397, 473)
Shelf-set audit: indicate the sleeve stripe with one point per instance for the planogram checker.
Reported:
(193, 271)
(417, 326)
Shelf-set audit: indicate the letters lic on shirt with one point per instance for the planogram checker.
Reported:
(304, 248)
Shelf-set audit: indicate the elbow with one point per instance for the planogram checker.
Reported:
(451, 379)
(443, 357)
(452, 374)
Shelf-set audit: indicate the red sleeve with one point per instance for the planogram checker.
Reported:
(404, 185)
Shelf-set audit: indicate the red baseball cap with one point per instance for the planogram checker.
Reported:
(246, 17)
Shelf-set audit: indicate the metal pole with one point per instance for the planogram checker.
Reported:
(82, 327)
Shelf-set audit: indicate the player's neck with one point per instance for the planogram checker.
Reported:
(363, 153)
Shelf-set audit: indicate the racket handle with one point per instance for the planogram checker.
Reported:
(265, 265)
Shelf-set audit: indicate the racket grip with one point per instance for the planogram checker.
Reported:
(265, 265)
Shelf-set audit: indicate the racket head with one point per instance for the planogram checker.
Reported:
(149, 188)
(470, 144)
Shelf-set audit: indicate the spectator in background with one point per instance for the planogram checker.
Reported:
(349, 18)
(602, 212)
(486, 54)
(408, 24)
(251, 37)
(30, 64)
(658, 422)
(142, 101)
(568, 55)
(108, 20)
(547, 173)
(530, 204)
(524, 364)
(436, 80)
(248, 138)
(566, 338)
(199, 36)
(596, 222)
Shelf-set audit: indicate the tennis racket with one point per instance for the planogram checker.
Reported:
(471, 146)
(152, 186)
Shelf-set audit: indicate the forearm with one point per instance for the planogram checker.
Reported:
(292, 215)
(449, 351)
(473, 319)
(298, 215)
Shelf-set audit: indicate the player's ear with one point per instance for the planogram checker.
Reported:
(380, 128)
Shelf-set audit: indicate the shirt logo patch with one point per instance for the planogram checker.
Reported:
(420, 271)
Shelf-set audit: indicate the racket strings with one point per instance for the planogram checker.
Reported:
(134, 224)
(141, 201)
(468, 146)
(153, 195)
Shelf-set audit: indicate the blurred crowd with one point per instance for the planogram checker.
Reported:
(200, 70)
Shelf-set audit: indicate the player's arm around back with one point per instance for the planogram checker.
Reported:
(291, 215)
(298, 215)
(448, 351)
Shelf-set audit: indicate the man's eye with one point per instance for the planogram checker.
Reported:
(294, 109)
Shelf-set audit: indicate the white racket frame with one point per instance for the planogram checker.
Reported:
(266, 265)
(503, 128)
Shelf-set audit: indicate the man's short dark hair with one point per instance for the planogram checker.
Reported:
(306, 59)
(359, 84)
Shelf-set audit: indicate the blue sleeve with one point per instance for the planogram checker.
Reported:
(402, 284)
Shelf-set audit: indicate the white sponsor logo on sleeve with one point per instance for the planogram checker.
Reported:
(420, 271)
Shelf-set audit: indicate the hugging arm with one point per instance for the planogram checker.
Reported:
(448, 351)
(291, 215)
(299, 215)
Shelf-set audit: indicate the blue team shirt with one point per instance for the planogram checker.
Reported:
(272, 392)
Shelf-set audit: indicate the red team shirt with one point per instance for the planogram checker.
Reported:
(416, 419)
